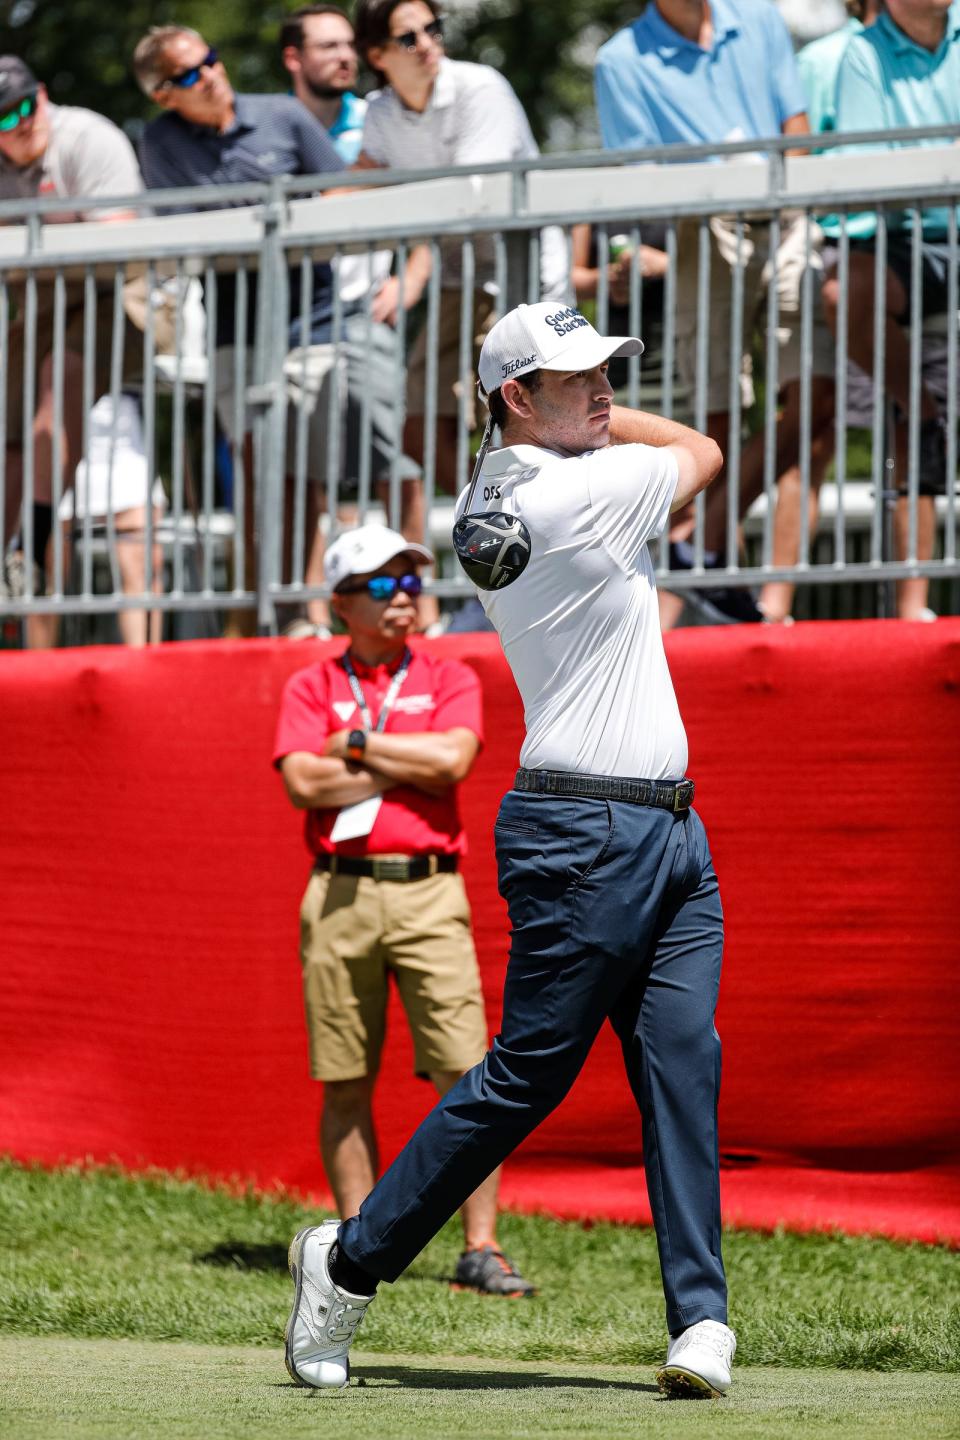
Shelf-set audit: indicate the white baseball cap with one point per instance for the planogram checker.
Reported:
(361, 551)
(546, 336)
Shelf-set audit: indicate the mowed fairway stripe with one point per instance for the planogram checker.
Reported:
(109, 1388)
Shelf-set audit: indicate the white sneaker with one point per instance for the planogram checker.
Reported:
(698, 1361)
(324, 1318)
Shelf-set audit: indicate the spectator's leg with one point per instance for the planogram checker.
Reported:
(860, 329)
(348, 1142)
(479, 1211)
(912, 594)
(138, 627)
(13, 491)
(776, 596)
(671, 602)
(42, 630)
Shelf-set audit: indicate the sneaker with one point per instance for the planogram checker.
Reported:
(15, 576)
(698, 1362)
(302, 629)
(489, 1272)
(324, 1318)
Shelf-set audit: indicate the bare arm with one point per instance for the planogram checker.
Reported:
(797, 125)
(319, 782)
(430, 760)
(699, 458)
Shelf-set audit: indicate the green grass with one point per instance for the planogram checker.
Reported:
(94, 1253)
(115, 1390)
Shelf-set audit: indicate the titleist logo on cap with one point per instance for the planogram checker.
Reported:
(510, 366)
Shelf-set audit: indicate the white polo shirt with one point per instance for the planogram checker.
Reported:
(473, 117)
(580, 627)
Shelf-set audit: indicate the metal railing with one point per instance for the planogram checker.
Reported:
(250, 446)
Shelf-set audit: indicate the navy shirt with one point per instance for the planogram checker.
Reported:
(271, 135)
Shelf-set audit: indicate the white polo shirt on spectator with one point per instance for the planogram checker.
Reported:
(580, 627)
(86, 155)
(473, 117)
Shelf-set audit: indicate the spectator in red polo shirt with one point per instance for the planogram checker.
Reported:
(372, 744)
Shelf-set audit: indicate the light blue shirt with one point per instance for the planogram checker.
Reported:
(886, 81)
(347, 130)
(654, 87)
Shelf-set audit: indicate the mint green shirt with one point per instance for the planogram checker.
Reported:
(886, 81)
(819, 64)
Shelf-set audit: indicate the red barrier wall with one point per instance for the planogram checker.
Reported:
(151, 870)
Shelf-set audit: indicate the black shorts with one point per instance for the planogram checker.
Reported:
(934, 271)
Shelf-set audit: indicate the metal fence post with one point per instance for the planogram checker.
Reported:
(517, 246)
(268, 400)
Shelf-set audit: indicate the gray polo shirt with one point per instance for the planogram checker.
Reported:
(86, 155)
(271, 135)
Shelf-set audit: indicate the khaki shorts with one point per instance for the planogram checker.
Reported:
(757, 272)
(449, 383)
(355, 931)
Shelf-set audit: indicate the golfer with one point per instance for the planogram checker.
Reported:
(605, 868)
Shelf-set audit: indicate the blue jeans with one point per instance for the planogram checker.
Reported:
(615, 914)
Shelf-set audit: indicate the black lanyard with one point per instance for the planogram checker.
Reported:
(388, 699)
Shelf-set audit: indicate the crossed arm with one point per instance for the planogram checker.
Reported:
(431, 761)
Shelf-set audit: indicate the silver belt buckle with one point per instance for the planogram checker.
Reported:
(393, 867)
(682, 796)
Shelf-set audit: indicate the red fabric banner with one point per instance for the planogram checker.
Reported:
(152, 869)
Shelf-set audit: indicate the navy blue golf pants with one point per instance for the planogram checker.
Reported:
(615, 914)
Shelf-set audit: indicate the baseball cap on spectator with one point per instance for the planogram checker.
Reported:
(361, 551)
(17, 81)
(546, 336)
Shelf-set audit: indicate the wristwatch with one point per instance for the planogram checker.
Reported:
(356, 744)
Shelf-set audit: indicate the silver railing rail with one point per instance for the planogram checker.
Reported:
(168, 351)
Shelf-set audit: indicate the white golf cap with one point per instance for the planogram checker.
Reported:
(546, 336)
(361, 551)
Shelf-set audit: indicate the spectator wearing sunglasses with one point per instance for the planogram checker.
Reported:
(67, 152)
(437, 112)
(372, 744)
(210, 135)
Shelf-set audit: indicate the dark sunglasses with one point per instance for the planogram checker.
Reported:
(385, 587)
(23, 111)
(188, 78)
(408, 40)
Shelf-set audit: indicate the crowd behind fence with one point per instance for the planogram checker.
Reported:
(235, 470)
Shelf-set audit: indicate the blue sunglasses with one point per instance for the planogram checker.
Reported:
(188, 78)
(385, 587)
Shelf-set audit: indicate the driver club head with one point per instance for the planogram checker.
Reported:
(493, 548)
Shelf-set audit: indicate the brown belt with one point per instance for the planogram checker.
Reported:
(387, 867)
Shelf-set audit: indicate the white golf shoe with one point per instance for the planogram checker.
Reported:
(698, 1361)
(324, 1318)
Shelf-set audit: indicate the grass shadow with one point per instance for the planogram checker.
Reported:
(239, 1255)
(415, 1377)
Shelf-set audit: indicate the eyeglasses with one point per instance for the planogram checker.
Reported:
(188, 78)
(408, 40)
(385, 587)
(23, 111)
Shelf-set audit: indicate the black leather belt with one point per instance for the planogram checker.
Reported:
(387, 867)
(675, 795)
